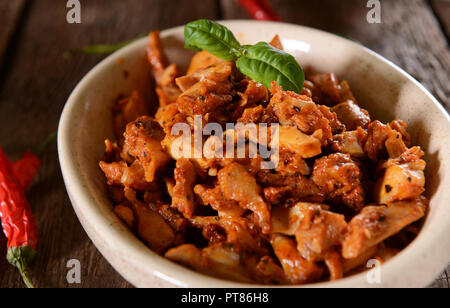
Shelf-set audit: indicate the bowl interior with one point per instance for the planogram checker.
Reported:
(387, 92)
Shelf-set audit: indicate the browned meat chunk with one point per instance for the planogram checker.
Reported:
(339, 177)
(297, 269)
(182, 194)
(350, 142)
(317, 230)
(143, 140)
(403, 178)
(128, 110)
(351, 115)
(239, 185)
(214, 197)
(328, 84)
(376, 223)
(292, 109)
(120, 174)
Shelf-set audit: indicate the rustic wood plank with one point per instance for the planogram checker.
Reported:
(409, 34)
(442, 9)
(10, 13)
(32, 96)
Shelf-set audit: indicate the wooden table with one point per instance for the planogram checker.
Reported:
(35, 81)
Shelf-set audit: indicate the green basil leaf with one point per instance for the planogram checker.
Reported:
(212, 37)
(264, 63)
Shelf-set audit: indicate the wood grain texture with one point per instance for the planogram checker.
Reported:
(37, 81)
(10, 13)
(409, 34)
(442, 10)
(35, 87)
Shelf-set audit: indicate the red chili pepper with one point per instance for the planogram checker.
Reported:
(259, 10)
(25, 169)
(18, 222)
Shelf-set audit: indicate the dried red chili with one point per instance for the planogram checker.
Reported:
(259, 10)
(18, 222)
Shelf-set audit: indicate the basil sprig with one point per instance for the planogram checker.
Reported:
(261, 62)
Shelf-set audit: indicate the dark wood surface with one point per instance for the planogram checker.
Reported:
(36, 79)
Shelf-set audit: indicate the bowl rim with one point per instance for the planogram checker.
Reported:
(88, 212)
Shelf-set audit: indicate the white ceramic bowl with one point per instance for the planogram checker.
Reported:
(380, 86)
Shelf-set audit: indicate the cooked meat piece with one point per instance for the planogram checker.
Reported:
(169, 115)
(239, 185)
(316, 229)
(402, 128)
(167, 91)
(312, 91)
(112, 152)
(293, 140)
(256, 93)
(252, 115)
(213, 90)
(403, 178)
(291, 164)
(293, 109)
(269, 272)
(395, 145)
(126, 213)
(219, 260)
(293, 188)
(384, 141)
(351, 115)
(216, 73)
(183, 195)
(153, 229)
(376, 223)
(214, 197)
(375, 147)
(334, 264)
(156, 55)
(346, 92)
(143, 139)
(287, 220)
(319, 231)
(339, 177)
(176, 220)
(201, 61)
(240, 232)
(328, 84)
(350, 142)
(361, 260)
(126, 111)
(120, 174)
(297, 269)
(336, 125)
